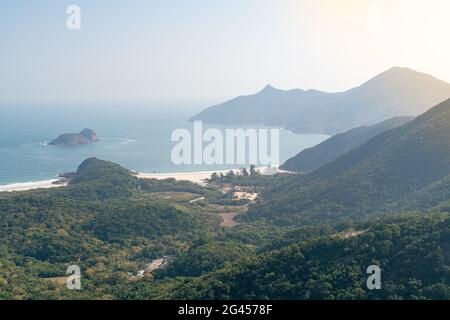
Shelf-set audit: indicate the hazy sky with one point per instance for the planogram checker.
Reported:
(210, 50)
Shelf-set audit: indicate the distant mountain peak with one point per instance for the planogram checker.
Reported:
(403, 70)
(403, 73)
(398, 69)
(268, 88)
(396, 92)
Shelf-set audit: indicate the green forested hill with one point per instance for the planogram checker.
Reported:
(96, 179)
(101, 221)
(410, 162)
(412, 251)
(205, 257)
(113, 224)
(338, 145)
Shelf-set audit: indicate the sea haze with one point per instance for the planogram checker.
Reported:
(136, 137)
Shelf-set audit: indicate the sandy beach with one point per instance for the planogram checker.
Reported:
(30, 186)
(198, 177)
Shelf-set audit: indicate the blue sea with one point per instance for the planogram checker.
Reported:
(136, 137)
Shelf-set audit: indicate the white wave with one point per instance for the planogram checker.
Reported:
(30, 185)
(35, 144)
(123, 140)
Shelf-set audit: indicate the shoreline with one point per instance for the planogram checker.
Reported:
(193, 176)
(25, 186)
(197, 177)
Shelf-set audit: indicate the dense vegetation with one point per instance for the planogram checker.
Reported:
(307, 236)
(412, 251)
(203, 258)
(101, 221)
(412, 161)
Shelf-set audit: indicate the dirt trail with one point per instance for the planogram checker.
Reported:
(59, 280)
(238, 193)
(228, 219)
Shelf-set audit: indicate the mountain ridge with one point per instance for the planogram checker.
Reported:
(334, 147)
(395, 92)
(376, 177)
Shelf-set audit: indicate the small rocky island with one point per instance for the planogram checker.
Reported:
(86, 136)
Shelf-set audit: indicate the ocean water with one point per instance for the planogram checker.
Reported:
(136, 137)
